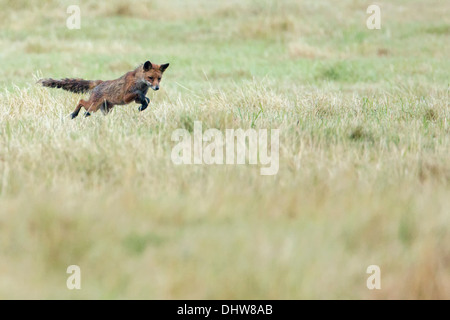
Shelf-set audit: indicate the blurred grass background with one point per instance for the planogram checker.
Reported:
(364, 151)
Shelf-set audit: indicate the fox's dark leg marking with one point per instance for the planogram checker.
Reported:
(144, 101)
(138, 97)
(74, 114)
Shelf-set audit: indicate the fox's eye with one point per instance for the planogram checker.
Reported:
(159, 79)
(151, 78)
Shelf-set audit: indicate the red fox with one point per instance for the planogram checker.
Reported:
(132, 86)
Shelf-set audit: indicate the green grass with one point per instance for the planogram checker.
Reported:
(364, 152)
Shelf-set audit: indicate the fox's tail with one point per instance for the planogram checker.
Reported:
(72, 85)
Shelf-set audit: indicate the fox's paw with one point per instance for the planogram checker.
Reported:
(86, 114)
(73, 115)
(142, 108)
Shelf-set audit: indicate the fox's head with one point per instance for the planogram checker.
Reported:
(152, 73)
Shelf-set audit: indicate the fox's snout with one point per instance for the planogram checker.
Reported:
(156, 88)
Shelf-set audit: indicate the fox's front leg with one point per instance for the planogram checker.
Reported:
(137, 97)
(144, 102)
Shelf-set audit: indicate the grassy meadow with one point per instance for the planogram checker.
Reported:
(364, 170)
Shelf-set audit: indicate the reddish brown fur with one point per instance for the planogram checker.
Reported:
(132, 86)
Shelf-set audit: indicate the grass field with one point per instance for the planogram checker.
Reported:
(364, 166)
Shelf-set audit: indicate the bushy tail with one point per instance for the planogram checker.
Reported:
(72, 85)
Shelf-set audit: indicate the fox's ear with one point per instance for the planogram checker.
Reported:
(147, 65)
(164, 67)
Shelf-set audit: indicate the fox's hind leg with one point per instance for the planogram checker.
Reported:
(92, 105)
(85, 104)
(74, 114)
